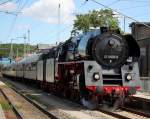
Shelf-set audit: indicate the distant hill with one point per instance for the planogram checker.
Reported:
(5, 49)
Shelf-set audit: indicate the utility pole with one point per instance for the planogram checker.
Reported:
(24, 37)
(124, 20)
(25, 45)
(59, 7)
(11, 49)
(28, 48)
(17, 53)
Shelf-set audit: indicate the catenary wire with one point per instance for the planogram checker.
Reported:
(114, 2)
(118, 12)
(15, 19)
(5, 2)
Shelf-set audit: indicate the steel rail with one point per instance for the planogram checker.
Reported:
(113, 114)
(124, 109)
(36, 105)
(16, 111)
(136, 112)
(140, 99)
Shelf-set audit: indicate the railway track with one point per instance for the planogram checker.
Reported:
(15, 110)
(121, 113)
(147, 115)
(126, 113)
(33, 103)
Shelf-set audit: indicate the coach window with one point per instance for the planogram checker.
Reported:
(18, 68)
(58, 53)
(71, 46)
(27, 67)
(33, 65)
(13, 69)
(51, 53)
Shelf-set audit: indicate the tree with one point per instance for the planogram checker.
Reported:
(5, 50)
(101, 18)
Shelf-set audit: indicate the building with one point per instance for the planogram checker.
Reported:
(45, 47)
(141, 32)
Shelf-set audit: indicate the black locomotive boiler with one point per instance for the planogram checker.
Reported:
(94, 67)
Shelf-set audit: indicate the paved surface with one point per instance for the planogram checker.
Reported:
(27, 110)
(64, 109)
(143, 95)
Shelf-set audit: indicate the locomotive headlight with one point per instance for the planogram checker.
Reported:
(129, 77)
(96, 76)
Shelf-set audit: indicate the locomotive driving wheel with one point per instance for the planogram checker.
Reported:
(116, 102)
(87, 98)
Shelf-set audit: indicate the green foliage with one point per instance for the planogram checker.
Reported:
(102, 18)
(82, 22)
(5, 49)
(6, 106)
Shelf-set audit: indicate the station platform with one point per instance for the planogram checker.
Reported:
(145, 96)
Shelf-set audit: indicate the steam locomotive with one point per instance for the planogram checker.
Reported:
(95, 67)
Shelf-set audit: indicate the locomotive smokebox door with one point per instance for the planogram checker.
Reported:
(93, 73)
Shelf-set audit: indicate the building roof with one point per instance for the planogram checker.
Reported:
(139, 24)
(45, 46)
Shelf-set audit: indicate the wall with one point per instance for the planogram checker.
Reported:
(142, 34)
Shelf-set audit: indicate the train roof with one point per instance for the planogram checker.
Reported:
(32, 58)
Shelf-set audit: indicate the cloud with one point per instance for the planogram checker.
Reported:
(23, 27)
(9, 6)
(47, 11)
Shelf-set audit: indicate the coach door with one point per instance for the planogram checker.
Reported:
(40, 70)
(50, 70)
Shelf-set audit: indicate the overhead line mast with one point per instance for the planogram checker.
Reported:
(28, 47)
(59, 21)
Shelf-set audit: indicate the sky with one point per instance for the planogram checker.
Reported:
(40, 17)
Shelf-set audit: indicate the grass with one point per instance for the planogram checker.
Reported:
(6, 106)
